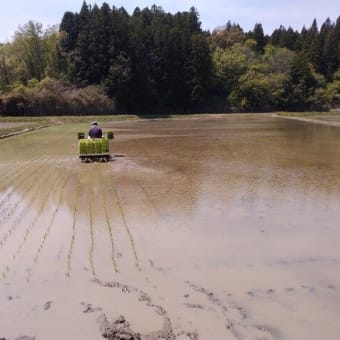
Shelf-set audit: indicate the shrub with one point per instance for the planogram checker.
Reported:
(54, 97)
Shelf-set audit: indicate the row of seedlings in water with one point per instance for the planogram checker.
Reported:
(108, 222)
(31, 225)
(91, 250)
(11, 175)
(26, 208)
(122, 213)
(50, 225)
(18, 179)
(74, 224)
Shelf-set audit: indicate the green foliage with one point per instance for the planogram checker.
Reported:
(229, 65)
(226, 36)
(105, 145)
(50, 97)
(82, 144)
(149, 59)
(258, 91)
(110, 135)
(103, 59)
(301, 81)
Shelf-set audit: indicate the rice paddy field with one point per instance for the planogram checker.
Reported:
(205, 227)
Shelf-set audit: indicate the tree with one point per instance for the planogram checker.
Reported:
(226, 36)
(329, 60)
(311, 46)
(29, 48)
(283, 37)
(199, 69)
(258, 35)
(229, 66)
(301, 82)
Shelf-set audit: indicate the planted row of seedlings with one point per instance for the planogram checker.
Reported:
(30, 226)
(122, 213)
(108, 222)
(91, 250)
(12, 170)
(20, 217)
(50, 225)
(74, 224)
(15, 180)
(9, 210)
(35, 191)
(14, 177)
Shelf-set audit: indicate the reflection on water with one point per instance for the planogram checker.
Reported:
(258, 163)
(246, 206)
(193, 170)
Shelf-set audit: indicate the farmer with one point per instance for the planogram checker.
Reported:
(95, 131)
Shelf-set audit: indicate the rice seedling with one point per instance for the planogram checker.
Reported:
(34, 221)
(50, 225)
(15, 170)
(110, 135)
(108, 222)
(90, 147)
(82, 145)
(81, 135)
(20, 216)
(74, 223)
(121, 210)
(97, 146)
(17, 180)
(105, 145)
(91, 250)
(93, 146)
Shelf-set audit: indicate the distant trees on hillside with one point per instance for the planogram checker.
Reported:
(156, 61)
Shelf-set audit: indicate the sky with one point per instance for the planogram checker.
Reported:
(270, 13)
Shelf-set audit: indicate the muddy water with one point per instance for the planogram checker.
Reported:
(205, 228)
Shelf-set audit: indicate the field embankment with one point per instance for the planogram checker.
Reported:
(324, 118)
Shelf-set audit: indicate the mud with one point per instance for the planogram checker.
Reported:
(221, 227)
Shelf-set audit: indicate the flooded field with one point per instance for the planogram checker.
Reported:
(221, 227)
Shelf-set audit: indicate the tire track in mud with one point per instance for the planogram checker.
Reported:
(74, 224)
(234, 317)
(166, 332)
(7, 210)
(108, 222)
(121, 210)
(50, 225)
(21, 214)
(29, 229)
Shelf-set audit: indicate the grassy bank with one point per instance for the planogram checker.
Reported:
(310, 114)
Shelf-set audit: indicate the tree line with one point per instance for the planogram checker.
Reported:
(104, 60)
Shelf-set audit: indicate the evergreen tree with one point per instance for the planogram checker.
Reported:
(258, 35)
(311, 45)
(301, 82)
(328, 46)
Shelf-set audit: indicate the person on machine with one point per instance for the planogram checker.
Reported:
(95, 131)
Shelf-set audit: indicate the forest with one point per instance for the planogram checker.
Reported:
(104, 60)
